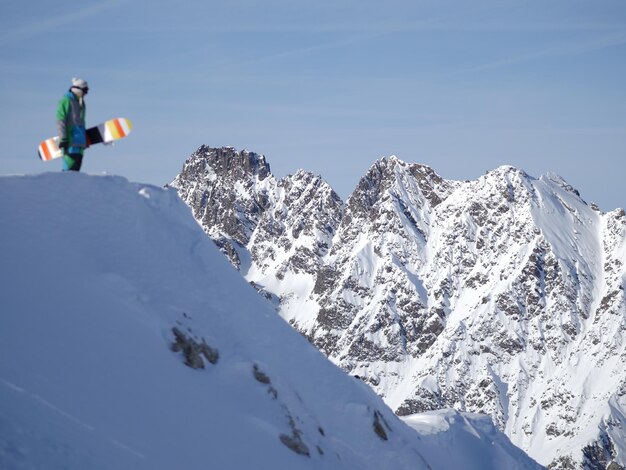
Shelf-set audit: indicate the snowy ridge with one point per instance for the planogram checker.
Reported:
(127, 341)
(503, 295)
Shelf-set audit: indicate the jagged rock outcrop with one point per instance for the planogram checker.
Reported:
(503, 295)
(285, 224)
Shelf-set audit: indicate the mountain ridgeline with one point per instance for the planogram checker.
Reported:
(502, 295)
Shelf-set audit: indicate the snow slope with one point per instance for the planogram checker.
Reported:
(128, 341)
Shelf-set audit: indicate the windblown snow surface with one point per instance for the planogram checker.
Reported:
(110, 292)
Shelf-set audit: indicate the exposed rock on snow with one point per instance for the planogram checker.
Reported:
(194, 351)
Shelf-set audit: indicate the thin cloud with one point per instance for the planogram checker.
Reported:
(54, 23)
(563, 49)
(372, 27)
(306, 50)
(508, 27)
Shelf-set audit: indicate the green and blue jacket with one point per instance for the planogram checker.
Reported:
(71, 123)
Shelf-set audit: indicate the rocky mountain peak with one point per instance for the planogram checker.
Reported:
(505, 184)
(391, 177)
(228, 191)
(503, 295)
(393, 198)
(226, 161)
(558, 180)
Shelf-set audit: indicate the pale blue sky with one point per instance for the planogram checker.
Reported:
(328, 86)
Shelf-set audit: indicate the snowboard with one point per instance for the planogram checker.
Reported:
(107, 132)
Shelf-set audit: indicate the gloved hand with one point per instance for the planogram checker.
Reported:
(63, 144)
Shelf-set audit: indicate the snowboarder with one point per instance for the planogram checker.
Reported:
(71, 125)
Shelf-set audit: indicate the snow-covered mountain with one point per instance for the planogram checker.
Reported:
(127, 341)
(503, 295)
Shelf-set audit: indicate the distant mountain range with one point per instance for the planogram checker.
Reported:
(502, 295)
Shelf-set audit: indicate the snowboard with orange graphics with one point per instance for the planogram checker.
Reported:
(106, 133)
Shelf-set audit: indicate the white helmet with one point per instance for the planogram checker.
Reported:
(81, 86)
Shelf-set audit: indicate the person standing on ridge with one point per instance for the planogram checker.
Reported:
(71, 125)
